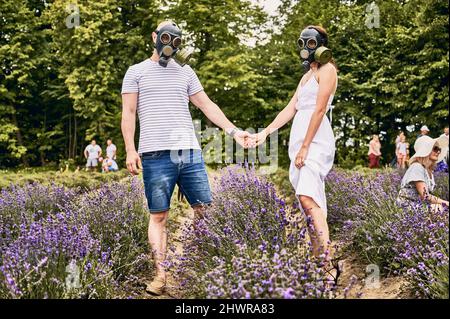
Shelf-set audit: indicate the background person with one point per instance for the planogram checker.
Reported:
(424, 130)
(92, 152)
(418, 181)
(401, 152)
(446, 150)
(109, 165)
(111, 150)
(397, 140)
(407, 154)
(374, 152)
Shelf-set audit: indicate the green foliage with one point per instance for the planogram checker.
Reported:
(60, 85)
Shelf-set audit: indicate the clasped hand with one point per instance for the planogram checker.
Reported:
(248, 140)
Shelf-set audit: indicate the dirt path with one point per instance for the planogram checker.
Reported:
(388, 287)
(179, 216)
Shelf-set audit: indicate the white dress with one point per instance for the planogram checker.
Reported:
(310, 179)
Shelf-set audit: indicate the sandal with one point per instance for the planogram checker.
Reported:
(156, 287)
(334, 278)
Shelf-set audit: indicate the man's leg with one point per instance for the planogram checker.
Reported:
(94, 164)
(193, 182)
(199, 212)
(160, 174)
(157, 237)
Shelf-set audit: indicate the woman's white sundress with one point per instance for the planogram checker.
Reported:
(309, 180)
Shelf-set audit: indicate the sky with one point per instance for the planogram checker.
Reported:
(270, 6)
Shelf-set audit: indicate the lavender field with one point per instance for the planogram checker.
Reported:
(60, 242)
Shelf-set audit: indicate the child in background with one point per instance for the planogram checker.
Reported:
(402, 152)
(109, 165)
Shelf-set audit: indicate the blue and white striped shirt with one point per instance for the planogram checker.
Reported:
(163, 104)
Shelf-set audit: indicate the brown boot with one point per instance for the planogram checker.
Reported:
(157, 286)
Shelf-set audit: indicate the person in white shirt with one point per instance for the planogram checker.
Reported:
(109, 165)
(111, 150)
(424, 130)
(446, 149)
(402, 152)
(92, 152)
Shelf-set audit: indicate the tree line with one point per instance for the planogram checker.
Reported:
(60, 80)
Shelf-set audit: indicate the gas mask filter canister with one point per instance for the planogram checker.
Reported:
(312, 48)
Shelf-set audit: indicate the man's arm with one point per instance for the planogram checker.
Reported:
(129, 105)
(215, 114)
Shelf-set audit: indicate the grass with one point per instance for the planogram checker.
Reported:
(71, 179)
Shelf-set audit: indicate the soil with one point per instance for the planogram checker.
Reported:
(392, 287)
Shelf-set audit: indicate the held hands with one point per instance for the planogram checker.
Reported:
(242, 138)
(248, 140)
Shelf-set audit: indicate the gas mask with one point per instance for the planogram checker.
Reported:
(312, 48)
(168, 44)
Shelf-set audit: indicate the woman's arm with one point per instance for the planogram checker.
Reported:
(424, 195)
(215, 114)
(280, 120)
(327, 82)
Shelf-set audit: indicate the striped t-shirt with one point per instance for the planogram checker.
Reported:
(163, 104)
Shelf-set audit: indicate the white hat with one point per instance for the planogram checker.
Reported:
(424, 145)
(424, 128)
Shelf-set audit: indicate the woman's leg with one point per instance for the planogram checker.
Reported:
(318, 227)
(436, 208)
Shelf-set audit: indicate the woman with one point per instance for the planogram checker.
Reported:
(401, 152)
(418, 181)
(311, 142)
(374, 152)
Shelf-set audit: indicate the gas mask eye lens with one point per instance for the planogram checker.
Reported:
(311, 44)
(165, 38)
(300, 43)
(176, 42)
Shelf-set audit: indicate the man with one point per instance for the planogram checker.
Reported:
(92, 152)
(159, 89)
(423, 131)
(111, 149)
(446, 150)
(446, 132)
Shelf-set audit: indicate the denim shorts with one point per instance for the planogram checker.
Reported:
(162, 170)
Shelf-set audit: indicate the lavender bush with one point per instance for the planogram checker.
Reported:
(400, 240)
(63, 243)
(250, 244)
